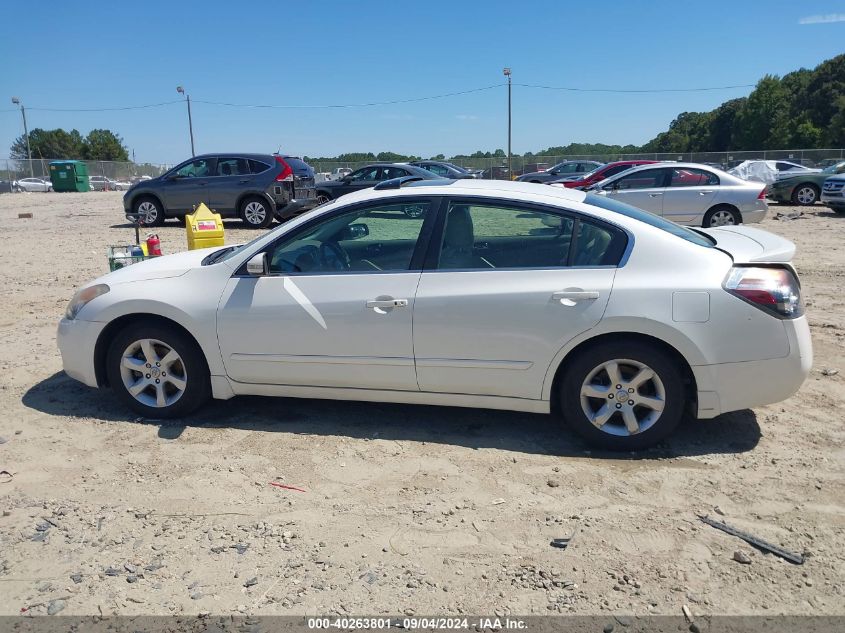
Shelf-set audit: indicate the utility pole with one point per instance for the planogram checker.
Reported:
(17, 101)
(507, 73)
(181, 90)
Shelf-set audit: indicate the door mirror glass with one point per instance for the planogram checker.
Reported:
(353, 231)
(258, 265)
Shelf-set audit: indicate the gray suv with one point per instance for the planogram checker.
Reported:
(254, 187)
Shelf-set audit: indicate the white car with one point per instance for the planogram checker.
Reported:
(32, 184)
(688, 193)
(497, 295)
(769, 171)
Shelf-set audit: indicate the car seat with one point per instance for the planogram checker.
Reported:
(459, 241)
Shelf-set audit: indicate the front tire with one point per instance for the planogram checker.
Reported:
(256, 213)
(805, 195)
(150, 209)
(157, 371)
(721, 216)
(622, 396)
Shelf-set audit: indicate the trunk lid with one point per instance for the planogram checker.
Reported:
(748, 245)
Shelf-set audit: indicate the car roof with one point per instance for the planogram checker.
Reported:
(238, 155)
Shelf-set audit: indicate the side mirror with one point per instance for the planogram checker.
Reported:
(258, 265)
(353, 231)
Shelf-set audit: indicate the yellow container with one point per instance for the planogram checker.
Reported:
(204, 228)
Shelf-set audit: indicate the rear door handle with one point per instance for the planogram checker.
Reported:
(704, 193)
(654, 195)
(571, 297)
(381, 306)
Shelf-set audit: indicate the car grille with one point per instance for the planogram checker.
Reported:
(832, 186)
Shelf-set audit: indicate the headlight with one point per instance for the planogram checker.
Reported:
(82, 297)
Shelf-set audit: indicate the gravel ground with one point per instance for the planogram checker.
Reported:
(405, 509)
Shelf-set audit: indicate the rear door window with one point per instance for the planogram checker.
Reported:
(232, 166)
(687, 177)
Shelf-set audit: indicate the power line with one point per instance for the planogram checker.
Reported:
(653, 90)
(114, 109)
(351, 105)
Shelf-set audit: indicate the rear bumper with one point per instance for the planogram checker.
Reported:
(754, 213)
(76, 340)
(293, 208)
(729, 387)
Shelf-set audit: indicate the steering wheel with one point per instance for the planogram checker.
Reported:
(333, 257)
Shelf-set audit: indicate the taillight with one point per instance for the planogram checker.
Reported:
(762, 194)
(772, 289)
(286, 173)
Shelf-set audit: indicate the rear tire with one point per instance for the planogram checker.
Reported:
(722, 215)
(151, 209)
(323, 198)
(805, 194)
(256, 213)
(632, 392)
(157, 371)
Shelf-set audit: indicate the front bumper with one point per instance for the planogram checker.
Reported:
(729, 387)
(833, 200)
(76, 340)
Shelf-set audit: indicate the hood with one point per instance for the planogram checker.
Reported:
(747, 245)
(159, 267)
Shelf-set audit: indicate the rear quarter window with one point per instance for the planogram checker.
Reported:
(257, 167)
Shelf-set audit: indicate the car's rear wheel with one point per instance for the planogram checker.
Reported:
(622, 396)
(323, 198)
(256, 213)
(721, 216)
(805, 194)
(152, 214)
(157, 371)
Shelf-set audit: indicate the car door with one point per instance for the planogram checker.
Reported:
(336, 307)
(232, 175)
(389, 172)
(187, 186)
(360, 179)
(505, 287)
(689, 194)
(642, 189)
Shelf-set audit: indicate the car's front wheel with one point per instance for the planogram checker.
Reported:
(256, 213)
(157, 371)
(805, 195)
(150, 211)
(622, 396)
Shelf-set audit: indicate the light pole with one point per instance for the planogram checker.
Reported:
(507, 73)
(17, 101)
(181, 91)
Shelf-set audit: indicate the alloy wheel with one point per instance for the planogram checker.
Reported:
(149, 212)
(623, 397)
(255, 213)
(806, 195)
(722, 218)
(153, 373)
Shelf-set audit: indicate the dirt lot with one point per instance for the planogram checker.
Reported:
(406, 509)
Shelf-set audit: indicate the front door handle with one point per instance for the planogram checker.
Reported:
(571, 297)
(704, 193)
(654, 195)
(383, 306)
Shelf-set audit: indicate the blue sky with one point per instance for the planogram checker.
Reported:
(100, 54)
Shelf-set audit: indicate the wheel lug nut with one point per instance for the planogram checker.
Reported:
(619, 386)
(148, 364)
(148, 375)
(618, 405)
(631, 402)
(630, 390)
(158, 364)
(610, 395)
(157, 381)
(163, 374)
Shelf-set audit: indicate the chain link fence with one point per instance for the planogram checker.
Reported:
(497, 168)
(12, 169)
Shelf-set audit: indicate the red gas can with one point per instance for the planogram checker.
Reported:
(153, 245)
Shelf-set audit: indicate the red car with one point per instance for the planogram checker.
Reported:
(597, 175)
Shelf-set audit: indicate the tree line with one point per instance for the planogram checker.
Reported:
(97, 145)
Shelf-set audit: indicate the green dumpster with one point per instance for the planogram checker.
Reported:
(69, 175)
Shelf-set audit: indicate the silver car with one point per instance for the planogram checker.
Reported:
(688, 193)
(32, 184)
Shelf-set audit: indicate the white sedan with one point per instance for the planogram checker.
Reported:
(492, 294)
(33, 184)
(688, 193)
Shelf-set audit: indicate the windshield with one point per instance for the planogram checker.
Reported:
(649, 218)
